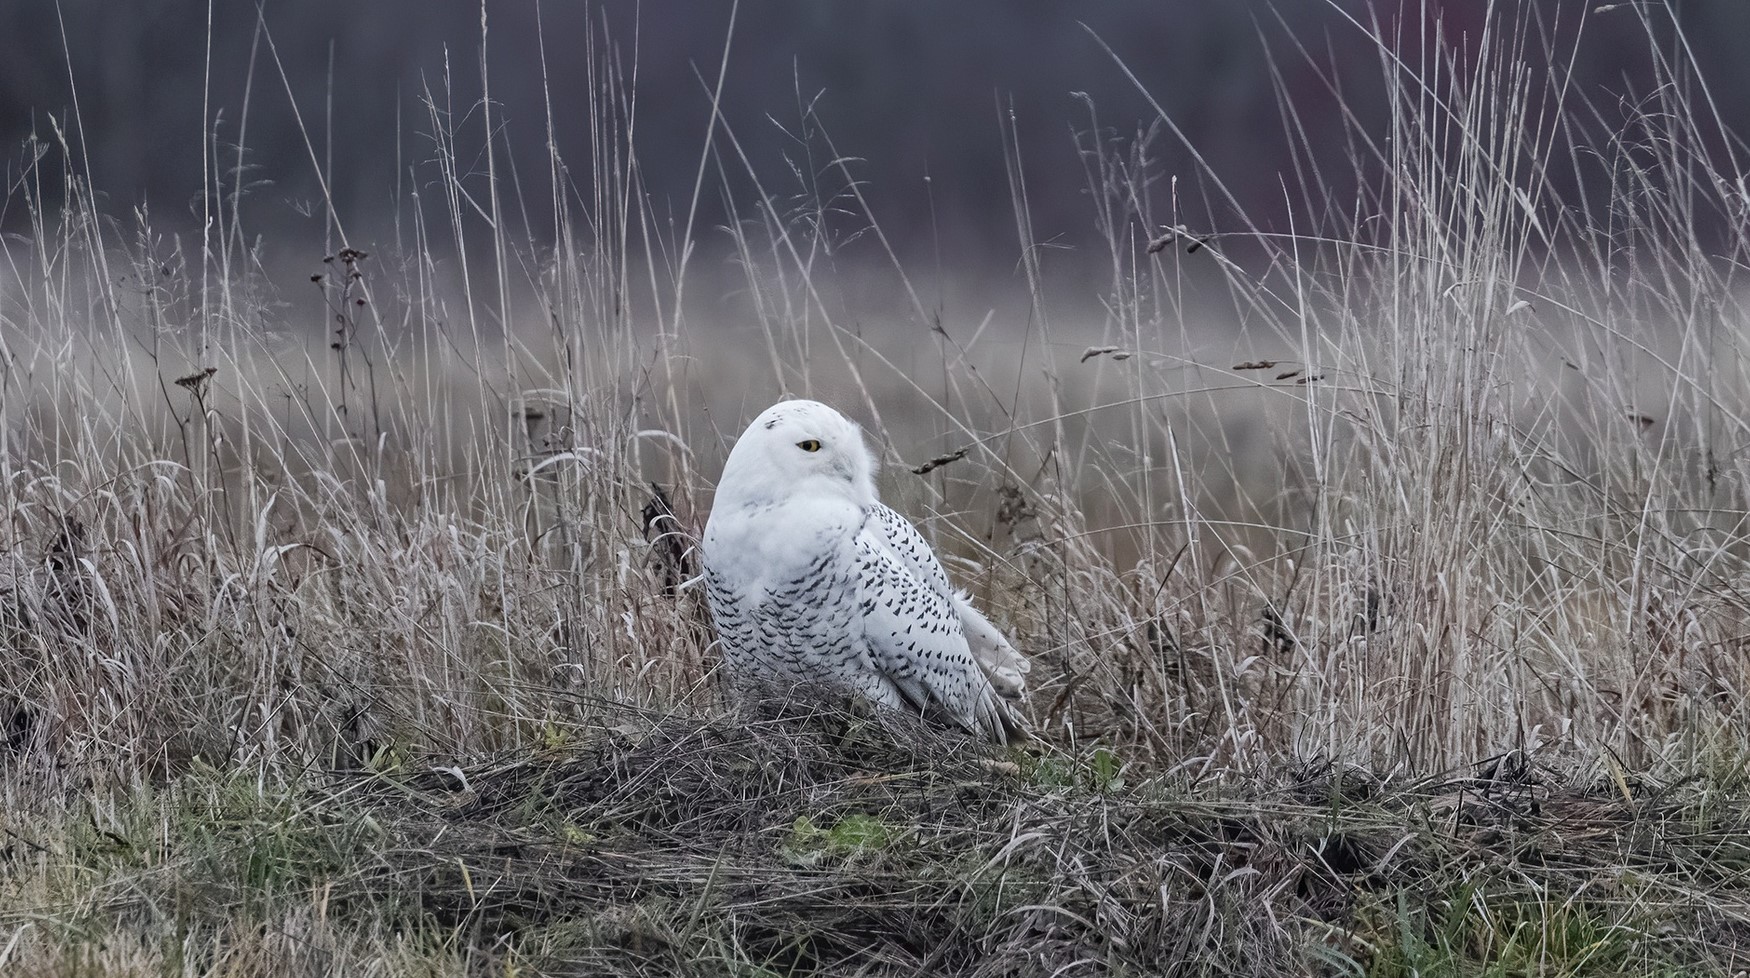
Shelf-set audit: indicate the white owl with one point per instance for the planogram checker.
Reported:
(813, 581)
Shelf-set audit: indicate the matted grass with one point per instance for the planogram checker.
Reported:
(834, 843)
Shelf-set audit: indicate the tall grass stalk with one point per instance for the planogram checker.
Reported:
(1486, 496)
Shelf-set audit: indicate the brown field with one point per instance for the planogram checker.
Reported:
(1384, 580)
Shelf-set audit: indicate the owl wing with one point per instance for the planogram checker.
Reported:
(896, 533)
(915, 635)
(1005, 667)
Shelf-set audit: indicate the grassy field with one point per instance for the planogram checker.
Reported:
(1383, 569)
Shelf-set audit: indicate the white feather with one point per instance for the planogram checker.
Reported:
(812, 581)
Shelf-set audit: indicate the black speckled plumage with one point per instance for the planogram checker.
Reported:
(812, 581)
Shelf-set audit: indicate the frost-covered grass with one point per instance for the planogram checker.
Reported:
(1395, 626)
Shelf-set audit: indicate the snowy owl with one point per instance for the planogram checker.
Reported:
(813, 581)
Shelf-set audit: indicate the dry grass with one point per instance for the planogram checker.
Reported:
(279, 552)
(830, 843)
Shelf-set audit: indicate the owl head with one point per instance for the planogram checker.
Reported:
(799, 447)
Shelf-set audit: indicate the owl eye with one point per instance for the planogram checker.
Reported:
(809, 445)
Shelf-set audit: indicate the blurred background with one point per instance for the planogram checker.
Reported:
(1471, 393)
(921, 93)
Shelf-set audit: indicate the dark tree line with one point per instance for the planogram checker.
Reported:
(915, 90)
